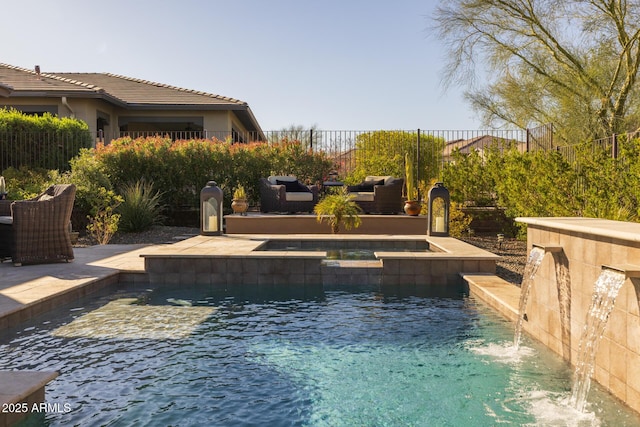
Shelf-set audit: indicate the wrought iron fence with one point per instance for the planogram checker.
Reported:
(46, 150)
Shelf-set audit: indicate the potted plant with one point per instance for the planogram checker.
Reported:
(239, 203)
(412, 205)
(338, 210)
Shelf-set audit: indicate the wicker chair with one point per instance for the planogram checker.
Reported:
(274, 197)
(382, 195)
(40, 226)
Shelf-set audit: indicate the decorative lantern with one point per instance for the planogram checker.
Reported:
(211, 210)
(438, 213)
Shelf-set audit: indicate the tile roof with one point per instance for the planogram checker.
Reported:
(119, 89)
(23, 80)
(465, 146)
(138, 92)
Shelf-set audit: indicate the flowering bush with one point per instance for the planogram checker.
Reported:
(179, 169)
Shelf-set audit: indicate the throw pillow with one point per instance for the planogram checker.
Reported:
(294, 186)
(367, 186)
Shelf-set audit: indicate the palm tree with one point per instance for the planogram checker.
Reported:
(337, 210)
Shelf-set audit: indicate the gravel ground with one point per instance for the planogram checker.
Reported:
(156, 235)
(512, 251)
(510, 268)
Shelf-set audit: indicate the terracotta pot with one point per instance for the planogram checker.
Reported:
(239, 206)
(412, 207)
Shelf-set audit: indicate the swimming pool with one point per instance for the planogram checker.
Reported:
(199, 356)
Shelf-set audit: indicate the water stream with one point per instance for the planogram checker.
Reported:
(604, 296)
(533, 262)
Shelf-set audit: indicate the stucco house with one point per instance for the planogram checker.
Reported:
(114, 105)
(481, 144)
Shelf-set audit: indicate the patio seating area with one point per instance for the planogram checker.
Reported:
(37, 230)
(286, 194)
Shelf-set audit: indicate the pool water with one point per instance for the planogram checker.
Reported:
(347, 249)
(196, 357)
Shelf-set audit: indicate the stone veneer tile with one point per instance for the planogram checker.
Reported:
(218, 278)
(250, 266)
(439, 268)
(616, 328)
(633, 337)
(633, 370)
(617, 360)
(202, 266)
(423, 267)
(589, 249)
(203, 278)
(601, 375)
(234, 265)
(619, 252)
(170, 278)
(633, 253)
(603, 252)
(312, 279)
(633, 398)
(618, 387)
(391, 266)
(187, 277)
(312, 266)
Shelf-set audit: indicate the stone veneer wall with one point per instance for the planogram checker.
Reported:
(556, 315)
(297, 270)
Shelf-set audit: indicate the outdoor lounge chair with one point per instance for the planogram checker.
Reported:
(378, 194)
(286, 194)
(39, 227)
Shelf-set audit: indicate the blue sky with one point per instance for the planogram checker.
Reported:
(335, 64)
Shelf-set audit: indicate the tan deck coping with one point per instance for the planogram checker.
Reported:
(16, 386)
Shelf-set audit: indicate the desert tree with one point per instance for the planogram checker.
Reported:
(524, 63)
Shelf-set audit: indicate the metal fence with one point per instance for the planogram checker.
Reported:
(46, 150)
(349, 149)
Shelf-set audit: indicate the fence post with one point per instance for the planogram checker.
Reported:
(311, 139)
(614, 146)
(527, 143)
(418, 164)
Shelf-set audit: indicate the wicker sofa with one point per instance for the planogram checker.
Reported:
(378, 194)
(286, 194)
(38, 228)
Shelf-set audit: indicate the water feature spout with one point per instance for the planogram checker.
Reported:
(630, 271)
(549, 248)
(531, 268)
(605, 291)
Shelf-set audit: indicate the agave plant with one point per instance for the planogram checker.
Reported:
(338, 210)
(141, 208)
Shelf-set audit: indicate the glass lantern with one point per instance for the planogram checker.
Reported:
(438, 212)
(211, 210)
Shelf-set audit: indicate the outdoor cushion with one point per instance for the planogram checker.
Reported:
(273, 179)
(367, 185)
(299, 196)
(6, 220)
(293, 186)
(385, 178)
(362, 196)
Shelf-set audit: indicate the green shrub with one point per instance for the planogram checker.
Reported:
(180, 169)
(458, 221)
(141, 208)
(103, 221)
(40, 142)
